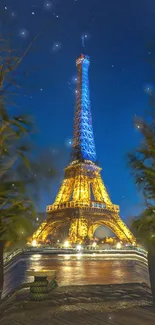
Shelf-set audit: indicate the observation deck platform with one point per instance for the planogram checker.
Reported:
(96, 206)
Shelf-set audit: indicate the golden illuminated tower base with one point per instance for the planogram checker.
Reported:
(83, 204)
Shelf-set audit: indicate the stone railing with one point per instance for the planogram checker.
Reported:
(98, 252)
(9, 257)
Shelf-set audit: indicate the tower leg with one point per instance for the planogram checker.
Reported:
(78, 230)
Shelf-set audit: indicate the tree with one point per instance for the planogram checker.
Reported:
(20, 179)
(142, 164)
(21, 171)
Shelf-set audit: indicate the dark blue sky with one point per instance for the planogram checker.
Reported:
(119, 34)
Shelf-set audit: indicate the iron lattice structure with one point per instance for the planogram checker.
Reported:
(82, 202)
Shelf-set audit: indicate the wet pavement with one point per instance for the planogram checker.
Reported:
(91, 291)
(106, 304)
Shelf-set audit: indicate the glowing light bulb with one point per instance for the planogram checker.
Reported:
(79, 247)
(66, 244)
(118, 245)
(34, 243)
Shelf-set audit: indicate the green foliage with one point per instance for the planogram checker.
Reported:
(16, 207)
(23, 172)
(144, 226)
(142, 164)
(22, 175)
(142, 161)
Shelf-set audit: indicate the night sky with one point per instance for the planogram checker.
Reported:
(118, 35)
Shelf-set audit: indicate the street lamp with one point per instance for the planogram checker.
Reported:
(79, 247)
(34, 243)
(118, 245)
(66, 244)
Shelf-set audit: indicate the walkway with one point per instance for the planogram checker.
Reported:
(109, 304)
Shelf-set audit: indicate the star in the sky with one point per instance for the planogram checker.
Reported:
(48, 5)
(72, 83)
(53, 151)
(74, 80)
(148, 88)
(56, 15)
(13, 14)
(56, 46)
(138, 125)
(23, 33)
(68, 143)
(84, 37)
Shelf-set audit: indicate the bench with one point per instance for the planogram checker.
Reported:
(44, 282)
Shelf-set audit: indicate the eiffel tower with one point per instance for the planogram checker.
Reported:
(82, 202)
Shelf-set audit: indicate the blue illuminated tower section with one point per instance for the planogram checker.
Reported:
(83, 147)
(82, 202)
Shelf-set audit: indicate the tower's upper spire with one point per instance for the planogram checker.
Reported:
(83, 147)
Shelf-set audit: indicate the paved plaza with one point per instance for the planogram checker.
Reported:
(105, 304)
(135, 316)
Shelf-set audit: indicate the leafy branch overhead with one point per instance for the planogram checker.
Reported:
(142, 164)
(9, 62)
(24, 171)
(142, 160)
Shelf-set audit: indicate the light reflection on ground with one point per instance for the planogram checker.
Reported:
(73, 270)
